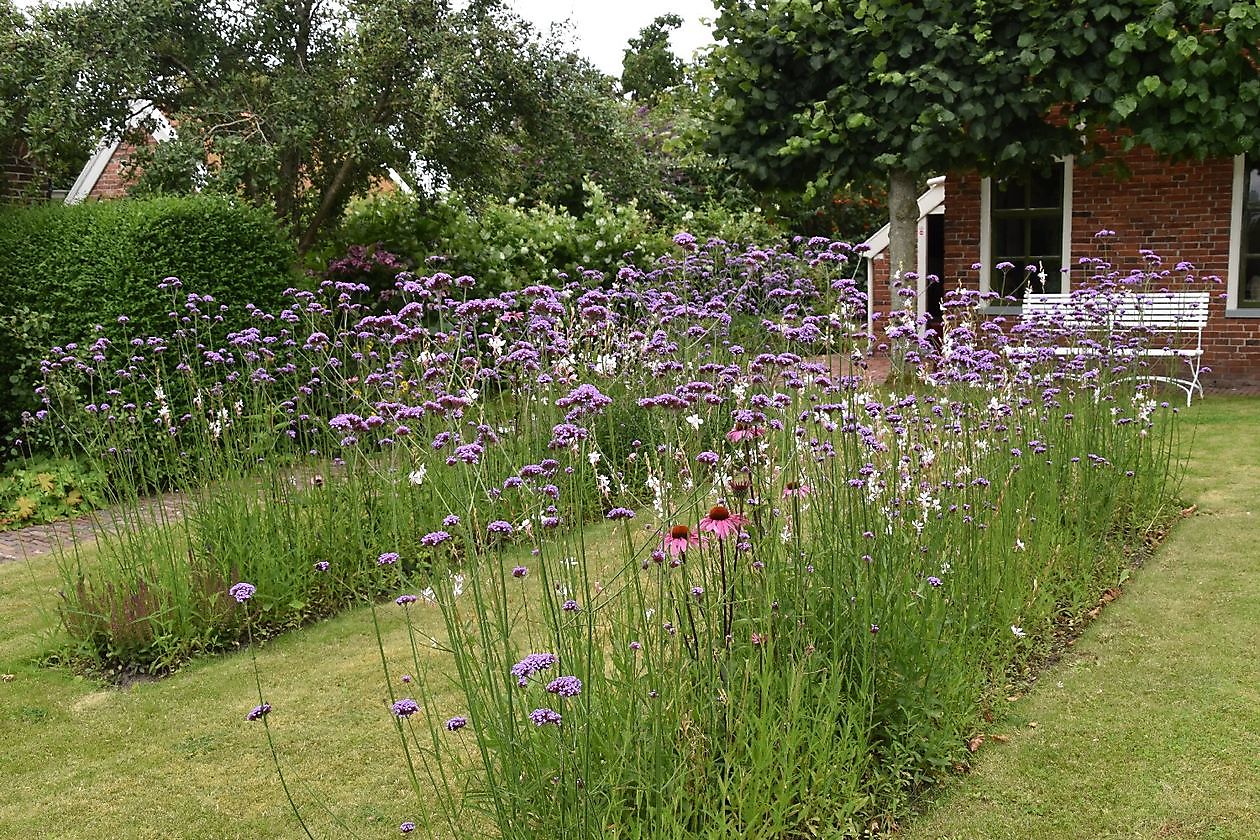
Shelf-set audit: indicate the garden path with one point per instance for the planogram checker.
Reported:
(36, 540)
(1150, 725)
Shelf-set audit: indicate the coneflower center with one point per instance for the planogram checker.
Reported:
(680, 532)
(719, 512)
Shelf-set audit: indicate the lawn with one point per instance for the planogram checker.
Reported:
(1150, 727)
(176, 758)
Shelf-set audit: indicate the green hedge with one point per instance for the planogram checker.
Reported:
(64, 270)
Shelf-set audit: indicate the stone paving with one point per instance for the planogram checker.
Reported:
(36, 540)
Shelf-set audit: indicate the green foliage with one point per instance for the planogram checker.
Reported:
(64, 270)
(649, 67)
(508, 245)
(45, 490)
(301, 106)
(46, 115)
(831, 92)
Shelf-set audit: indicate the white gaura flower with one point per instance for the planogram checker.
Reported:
(457, 585)
(1018, 631)
(694, 421)
(417, 475)
(593, 456)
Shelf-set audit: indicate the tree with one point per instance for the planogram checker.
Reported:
(827, 93)
(304, 104)
(648, 66)
(49, 115)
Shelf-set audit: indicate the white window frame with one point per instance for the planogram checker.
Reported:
(986, 233)
(1233, 285)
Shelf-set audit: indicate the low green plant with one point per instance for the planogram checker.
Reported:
(48, 489)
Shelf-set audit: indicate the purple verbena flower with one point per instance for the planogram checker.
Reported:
(456, 723)
(542, 717)
(389, 558)
(434, 538)
(532, 664)
(565, 686)
(242, 591)
(406, 707)
(259, 712)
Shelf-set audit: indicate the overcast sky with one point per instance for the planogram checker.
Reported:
(601, 28)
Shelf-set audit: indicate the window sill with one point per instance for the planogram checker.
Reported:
(1249, 312)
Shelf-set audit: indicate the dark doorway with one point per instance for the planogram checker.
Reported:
(935, 271)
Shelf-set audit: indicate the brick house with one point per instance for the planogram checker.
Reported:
(103, 176)
(1203, 212)
(20, 180)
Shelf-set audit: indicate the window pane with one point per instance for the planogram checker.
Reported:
(1053, 283)
(1046, 187)
(1250, 292)
(1253, 186)
(1008, 239)
(1009, 194)
(1046, 235)
(1251, 230)
(1013, 283)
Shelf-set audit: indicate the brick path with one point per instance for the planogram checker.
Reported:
(36, 540)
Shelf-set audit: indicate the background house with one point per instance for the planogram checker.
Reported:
(1205, 212)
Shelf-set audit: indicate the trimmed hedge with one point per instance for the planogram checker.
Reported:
(64, 270)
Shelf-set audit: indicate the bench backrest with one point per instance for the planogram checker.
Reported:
(1180, 312)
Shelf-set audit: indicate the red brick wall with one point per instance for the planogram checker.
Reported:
(18, 179)
(1180, 211)
(112, 184)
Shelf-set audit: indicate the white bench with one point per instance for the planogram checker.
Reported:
(1125, 324)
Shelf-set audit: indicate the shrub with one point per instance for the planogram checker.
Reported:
(77, 267)
(510, 245)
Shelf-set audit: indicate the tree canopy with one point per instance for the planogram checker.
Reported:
(648, 66)
(827, 93)
(305, 103)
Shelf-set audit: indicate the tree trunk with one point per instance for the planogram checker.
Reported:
(903, 225)
(903, 246)
(332, 199)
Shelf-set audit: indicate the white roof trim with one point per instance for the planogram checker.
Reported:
(95, 167)
(92, 171)
(932, 201)
(400, 182)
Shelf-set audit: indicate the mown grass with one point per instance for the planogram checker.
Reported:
(1150, 726)
(176, 758)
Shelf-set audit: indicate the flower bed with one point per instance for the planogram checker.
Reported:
(816, 574)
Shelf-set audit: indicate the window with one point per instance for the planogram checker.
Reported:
(1026, 228)
(1248, 274)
